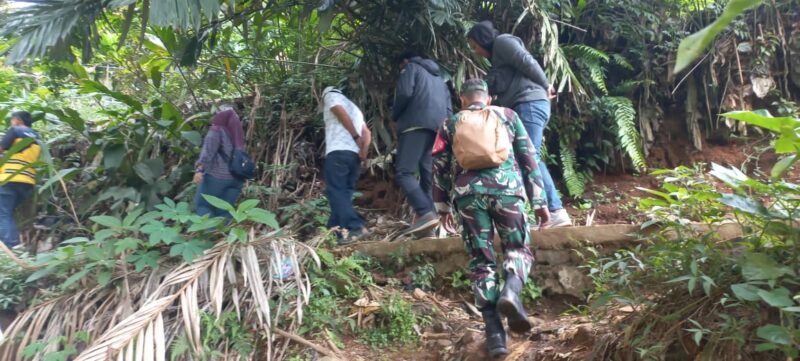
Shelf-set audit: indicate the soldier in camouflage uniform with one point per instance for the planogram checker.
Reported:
(487, 199)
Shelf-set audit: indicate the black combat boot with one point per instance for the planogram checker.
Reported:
(495, 333)
(510, 305)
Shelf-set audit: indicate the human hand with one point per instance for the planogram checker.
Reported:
(362, 142)
(363, 147)
(198, 177)
(551, 92)
(446, 220)
(542, 215)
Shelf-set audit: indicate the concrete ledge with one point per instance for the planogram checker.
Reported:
(548, 239)
(557, 252)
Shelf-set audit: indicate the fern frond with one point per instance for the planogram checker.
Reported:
(587, 53)
(179, 347)
(593, 60)
(630, 140)
(621, 61)
(554, 59)
(628, 86)
(576, 182)
(598, 75)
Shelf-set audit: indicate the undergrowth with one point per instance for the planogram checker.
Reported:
(339, 283)
(696, 295)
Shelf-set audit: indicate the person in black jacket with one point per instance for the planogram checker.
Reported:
(518, 82)
(421, 105)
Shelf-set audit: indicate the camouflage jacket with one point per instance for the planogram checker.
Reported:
(518, 176)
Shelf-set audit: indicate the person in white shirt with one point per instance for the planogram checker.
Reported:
(347, 140)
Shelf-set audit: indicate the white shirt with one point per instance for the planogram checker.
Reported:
(336, 136)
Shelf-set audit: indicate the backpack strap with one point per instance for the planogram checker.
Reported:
(227, 157)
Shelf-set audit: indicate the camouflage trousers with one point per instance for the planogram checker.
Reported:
(480, 216)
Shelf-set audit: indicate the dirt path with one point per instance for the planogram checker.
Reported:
(456, 334)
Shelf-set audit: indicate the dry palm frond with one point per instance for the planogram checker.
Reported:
(166, 304)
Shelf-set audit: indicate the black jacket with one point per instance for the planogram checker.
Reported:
(421, 97)
(515, 76)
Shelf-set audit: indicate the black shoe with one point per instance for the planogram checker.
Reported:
(342, 240)
(357, 235)
(510, 305)
(495, 333)
(424, 222)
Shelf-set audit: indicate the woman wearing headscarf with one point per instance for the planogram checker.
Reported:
(212, 170)
(519, 83)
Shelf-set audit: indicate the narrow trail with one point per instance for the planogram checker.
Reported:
(563, 326)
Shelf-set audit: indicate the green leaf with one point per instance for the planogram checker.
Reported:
(787, 127)
(775, 334)
(692, 46)
(107, 221)
(762, 347)
(763, 119)
(90, 86)
(759, 266)
(76, 277)
(680, 279)
(698, 336)
(142, 260)
(778, 297)
(39, 274)
(113, 155)
(248, 205)
(780, 168)
(744, 204)
(237, 234)
(130, 219)
(746, 291)
(159, 233)
(104, 278)
(150, 170)
(104, 234)
(264, 217)
(219, 203)
(155, 76)
(791, 309)
(61, 174)
(193, 137)
(205, 224)
(188, 250)
(692, 284)
(731, 176)
(666, 197)
(170, 112)
(126, 244)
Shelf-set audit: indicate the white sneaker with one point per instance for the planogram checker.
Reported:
(558, 218)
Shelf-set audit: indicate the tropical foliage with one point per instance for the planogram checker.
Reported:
(742, 294)
(124, 89)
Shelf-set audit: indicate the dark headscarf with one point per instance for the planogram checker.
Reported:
(484, 34)
(228, 121)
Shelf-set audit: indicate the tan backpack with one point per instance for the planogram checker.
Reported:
(481, 139)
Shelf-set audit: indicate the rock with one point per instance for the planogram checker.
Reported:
(329, 358)
(584, 336)
(379, 278)
(420, 294)
(470, 337)
(444, 343)
(536, 322)
(574, 281)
